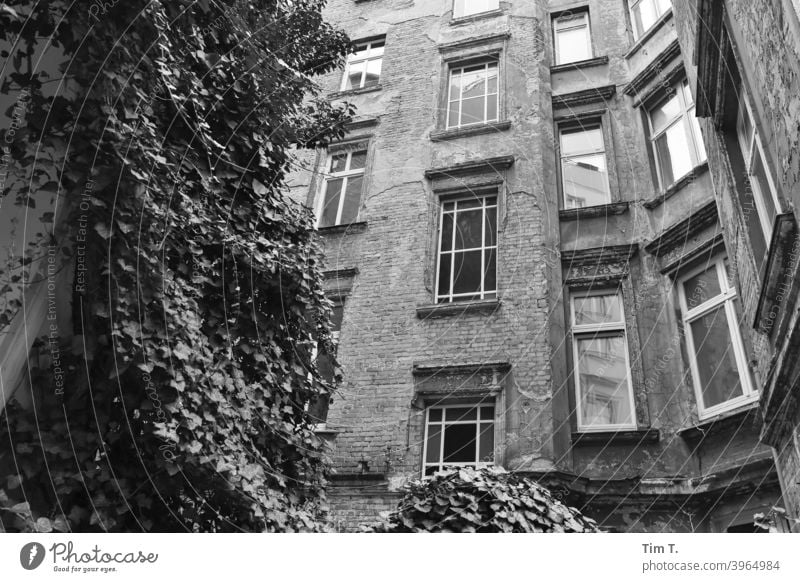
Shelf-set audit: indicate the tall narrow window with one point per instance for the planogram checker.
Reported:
(469, 7)
(675, 135)
(572, 38)
(473, 94)
(364, 65)
(645, 13)
(759, 180)
(467, 267)
(600, 355)
(341, 195)
(318, 407)
(584, 176)
(711, 329)
(458, 436)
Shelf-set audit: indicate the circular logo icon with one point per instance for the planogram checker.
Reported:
(31, 555)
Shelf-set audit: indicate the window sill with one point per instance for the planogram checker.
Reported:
(347, 92)
(634, 437)
(734, 419)
(649, 33)
(601, 211)
(677, 186)
(477, 129)
(457, 308)
(351, 228)
(585, 64)
(474, 17)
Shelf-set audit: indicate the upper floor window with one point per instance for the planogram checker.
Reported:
(675, 135)
(473, 93)
(341, 192)
(758, 177)
(711, 330)
(470, 7)
(645, 13)
(458, 436)
(467, 268)
(604, 399)
(572, 38)
(363, 67)
(584, 175)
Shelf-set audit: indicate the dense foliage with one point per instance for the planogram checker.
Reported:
(198, 299)
(482, 500)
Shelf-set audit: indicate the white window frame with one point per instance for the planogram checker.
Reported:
(600, 330)
(451, 297)
(697, 150)
(473, 7)
(726, 297)
(440, 464)
(365, 53)
(583, 128)
(345, 175)
(663, 5)
(567, 22)
(749, 153)
(459, 68)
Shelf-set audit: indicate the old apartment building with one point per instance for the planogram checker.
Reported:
(539, 259)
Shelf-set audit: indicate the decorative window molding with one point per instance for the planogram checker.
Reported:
(584, 97)
(654, 71)
(778, 288)
(707, 297)
(595, 267)
(464, 49)
(363, 68)
(680, 232)
(484, 166)
(585, 64)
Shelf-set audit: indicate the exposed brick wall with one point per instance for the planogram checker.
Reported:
(376, 416)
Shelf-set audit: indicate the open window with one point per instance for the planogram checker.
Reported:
(342, 187)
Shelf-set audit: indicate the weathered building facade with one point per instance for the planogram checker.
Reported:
(745, 62)
(523, 240)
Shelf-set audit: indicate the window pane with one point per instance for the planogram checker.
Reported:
(467, 272)
(581, 142)
(666, 113)
(474, 83)
(491, 108)
(435, 415)
(487, 413)
(585, 181)
(336, 318)
(461, 414)
(474, 202)
(373, 72)
(701, 287)
(573, 45)
(453, 113)
(491, 81)
(603, 381)
(330, 208)
(354, 74)
(318, 408)
(645, 15)
(445, 261)
(486, 448)
(598, 309)
(468, 229)
(714, 355)
(490, 227)
(352, 200)
(447, 231)
(434, 443)
(674, 159)
(698, 137)
(338, 162)
(472, 110)
(358, 160)
(459, 443)
(468, 7)
(490, 274)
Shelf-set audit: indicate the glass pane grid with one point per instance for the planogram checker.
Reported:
(343, 186)
(473, 95)
(459, 436)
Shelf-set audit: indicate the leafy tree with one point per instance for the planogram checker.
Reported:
(482, 500)
(167, 141)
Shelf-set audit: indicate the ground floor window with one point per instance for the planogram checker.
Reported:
(458, 436)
